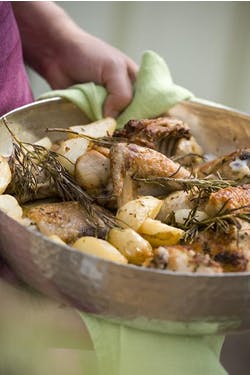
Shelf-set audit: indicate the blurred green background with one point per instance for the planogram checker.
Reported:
(206, 44)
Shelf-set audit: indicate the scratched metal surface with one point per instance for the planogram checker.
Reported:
(140, 297)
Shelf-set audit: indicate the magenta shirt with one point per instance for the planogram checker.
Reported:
(14, 84)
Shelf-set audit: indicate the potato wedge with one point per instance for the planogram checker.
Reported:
(44, 142)
(100, 248)
(10, 206)
(135, 212)
(160, 234)
(135, 248)
(70, 150)
(56, 239)
(5, 174)
(92, 170)
(182, 215)
(97, 129)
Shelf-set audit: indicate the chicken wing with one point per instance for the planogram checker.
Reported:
(128, 161)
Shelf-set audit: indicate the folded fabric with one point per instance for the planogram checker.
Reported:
(123, 350)
(154, 93)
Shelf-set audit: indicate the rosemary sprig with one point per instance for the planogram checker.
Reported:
(107, 141)
(201, 188)
(220, 222)
(28, 162)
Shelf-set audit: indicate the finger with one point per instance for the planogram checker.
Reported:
(120, 91)
(132, 70)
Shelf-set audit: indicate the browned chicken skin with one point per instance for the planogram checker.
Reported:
(230, 198)
(65, 219)
(129, 160)
(231, 250)
(153, 133)
(170, 136)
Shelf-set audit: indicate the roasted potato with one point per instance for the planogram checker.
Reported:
(182, 215)
(135, 248)
(135, 212)
(10, 206)
(56, 239)
(5, 174)
(99, 248)
(92, 170)
(70, 150)
(160, 234)
(97, 129)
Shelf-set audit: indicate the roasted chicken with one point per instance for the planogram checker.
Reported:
(234, 166)
(67, 220)
(128, 161)
(236, 198)
(170, 136)
(183, 259)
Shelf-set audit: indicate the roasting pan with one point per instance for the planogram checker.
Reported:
(137, 296)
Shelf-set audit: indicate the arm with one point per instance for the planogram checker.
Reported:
(64, 54)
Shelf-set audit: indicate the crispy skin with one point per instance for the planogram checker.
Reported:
(229, 199)
(233, 166)
(153, 133)
(231, 250)
(130, 160)
(65, 219)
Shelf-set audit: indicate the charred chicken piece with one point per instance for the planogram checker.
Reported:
(183, 259)
(167, 135)
(234, 166)
(128, 161)
(231, 198)
(65, 219)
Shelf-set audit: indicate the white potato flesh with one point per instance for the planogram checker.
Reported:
(92, 170)
(5, 174)
(135, 248)
(160, 234)
(10, 206)
(44, 142)
(57, 239)
(135, 212)
(182, 215)
(71, 150)
(99, 248)
(97, 129)
(173, 202)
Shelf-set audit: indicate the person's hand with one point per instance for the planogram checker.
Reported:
(84, 58)
(64, 54)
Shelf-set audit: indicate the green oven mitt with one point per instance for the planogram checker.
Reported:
(154, 93)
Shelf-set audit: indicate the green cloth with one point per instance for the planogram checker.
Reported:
(120, 349)
(154, 93)
(123, 350)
